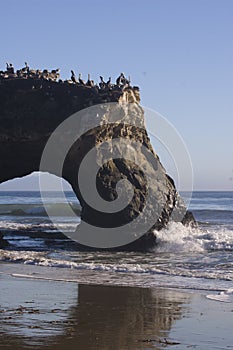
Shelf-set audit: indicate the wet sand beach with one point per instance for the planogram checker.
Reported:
(49, 314)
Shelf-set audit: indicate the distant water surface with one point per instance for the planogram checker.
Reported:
(200, 258)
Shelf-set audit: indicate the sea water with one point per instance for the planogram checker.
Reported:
(194, 258)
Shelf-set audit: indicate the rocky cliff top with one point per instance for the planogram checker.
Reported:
(34, 101)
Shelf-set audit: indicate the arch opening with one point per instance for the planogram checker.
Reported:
(31, 183)
(24, 222)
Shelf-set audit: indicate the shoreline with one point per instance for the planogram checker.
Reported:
(51, 314)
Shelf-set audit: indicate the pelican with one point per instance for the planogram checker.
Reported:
(73, 77)
(102, 83)
(26, 68)
(121, 79)
(89, 81)
(81, 81)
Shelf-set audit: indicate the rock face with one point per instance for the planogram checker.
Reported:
(30, 111)
(3, 242)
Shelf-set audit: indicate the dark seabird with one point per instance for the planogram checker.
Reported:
(81, 81)
(121, 80)
(26, 68)
(73, 77)
(89, 81)
(102, 83)
(10, 68)
(109, 81)
(55, 71)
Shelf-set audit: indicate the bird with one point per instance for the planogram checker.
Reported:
(55, 71)
(81, 81)
(109, 81)
(73, 77)
(89, 81)
(120, 79)
(26, 68)
(10, 68)
(102, 83)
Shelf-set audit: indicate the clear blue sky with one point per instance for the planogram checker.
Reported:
(180, 53)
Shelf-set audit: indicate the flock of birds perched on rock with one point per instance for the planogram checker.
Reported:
(54, 75)
(26, 72)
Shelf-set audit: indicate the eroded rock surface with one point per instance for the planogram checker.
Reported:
(30, 111)
(3, 242)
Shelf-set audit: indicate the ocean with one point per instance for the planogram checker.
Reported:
(185, 258)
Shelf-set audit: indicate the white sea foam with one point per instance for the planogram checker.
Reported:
(179, 238)
(157, 267)
(226, 296)
(29, 226)
(38, 265)
(188, 256)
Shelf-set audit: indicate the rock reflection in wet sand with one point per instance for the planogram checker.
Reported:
(57, 315)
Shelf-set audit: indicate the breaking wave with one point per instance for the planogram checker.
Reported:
(178, 238)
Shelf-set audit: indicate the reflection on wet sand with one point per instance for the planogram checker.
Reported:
(55, 315)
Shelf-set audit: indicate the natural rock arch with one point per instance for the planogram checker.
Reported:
(30, 112)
